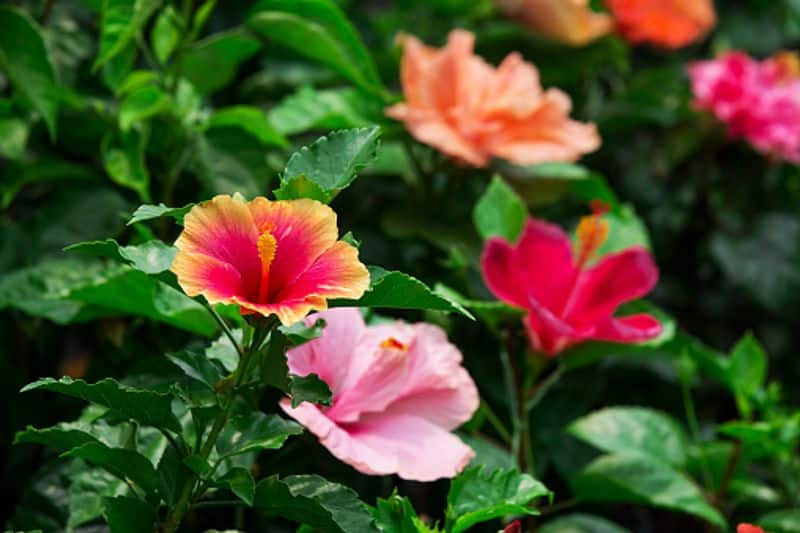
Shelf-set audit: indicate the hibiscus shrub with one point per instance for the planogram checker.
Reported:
(414, 266)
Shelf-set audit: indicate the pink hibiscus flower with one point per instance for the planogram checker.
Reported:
(280, 258)
(398, 390)
(567, 301)
(758, 101)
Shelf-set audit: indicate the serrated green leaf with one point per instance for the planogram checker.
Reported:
(392, 289)
(635, 431)
(499, 212)
(25, 60)
(149, 212)
(250, 119)
(63, 436)
(151, 257)
(129, 515)
(310, 389)
(122, 462)
(120, 22)
(254, 432)
(319, 30)
(479, 494)
(330, 163)
(630, 479)
(147, 407)
(312, 500)
(395, 514)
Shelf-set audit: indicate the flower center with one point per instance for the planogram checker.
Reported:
(394, 344)
(267, 245)
(592, 233)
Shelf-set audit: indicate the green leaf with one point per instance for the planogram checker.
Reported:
(318, 30)
(499, 212)
(312, 500)
(250, 119)
(240, 482)
(166, 34)
(13, 137)
(212, 63)
(488, 454)
(625, 229)
(147, 407)
(149, 212)
(396, 515)
(331, 162)
(120, 22)
(478, 495)
(392, 289)
(198, 367)
(581, 523)
(230, 159)
(309, 388)
(173, 474)
(25, 60)
(129, 515)
(638, 480)
(125, 162)
(141, 104)
(299, 333)
(324, 109)
(634, 431)
(254, 432)
(748, 370)
(122, 462)
(151, 257)
(135, 81)
(782, 521)
(63, 436)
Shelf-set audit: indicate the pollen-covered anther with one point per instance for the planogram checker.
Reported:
(394, 344)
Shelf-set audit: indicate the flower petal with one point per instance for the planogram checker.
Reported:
(331, 355)
(337, 273)
(615, 279)
(221, 229)
(632, 328)
(202, 274)
(548, 333)
(437, 387)
(304, 229)
(540, 265)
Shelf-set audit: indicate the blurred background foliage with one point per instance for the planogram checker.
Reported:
(93, 122)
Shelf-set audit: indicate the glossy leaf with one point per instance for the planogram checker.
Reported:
(129, 515)
(254, 432)
(748, 370)
(198, 367)
(781, 521)
(331, 163)
(125, 162)
(395, 514)
(166, 34)
(312, 500)
(142, 104)
(250, 119)
(147, 407)
(397, 290)
(240, 481)
(324, 109)
(122, 462)
(499, 212)
(151, 257)
(638, 480)
(634, 431)
(310, 389)
(479, 494)
(149, 212)
(121, 21)
(63, 436)
(212, 63)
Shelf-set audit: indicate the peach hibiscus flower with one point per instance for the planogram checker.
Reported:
(398, 390)
(271, 258)
(666, 23)
(461, 105)
(569, 21)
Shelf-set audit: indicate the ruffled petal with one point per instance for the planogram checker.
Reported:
(632, 328)
(615, 279)
(331, 355)
(437, 387)
(199, 274)
(304, 229)
(548, 333)
(422, 450)
(222, 229)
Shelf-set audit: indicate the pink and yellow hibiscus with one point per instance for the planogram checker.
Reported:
(568, 301)
(269, 257)
(398, 390)
(469, 110)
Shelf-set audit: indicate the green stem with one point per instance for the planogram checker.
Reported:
(513, 401)
(496, 423)
(185, 499)
(694, 427)
(225, 329)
